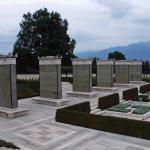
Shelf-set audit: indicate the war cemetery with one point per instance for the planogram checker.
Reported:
(81, 83)
(68, 115)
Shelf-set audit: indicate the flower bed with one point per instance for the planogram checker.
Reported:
(117, 109)
(72, 115)
(141, 111)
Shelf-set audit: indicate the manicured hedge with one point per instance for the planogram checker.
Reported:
(117, 125)
(130, 94)
(81, 107)
(145, 98)
(28, 88)
(108, 101)
(145, 88)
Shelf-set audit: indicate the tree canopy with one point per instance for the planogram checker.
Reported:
(116, 55)
(42, 34)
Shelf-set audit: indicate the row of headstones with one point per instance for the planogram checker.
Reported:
(50, 77)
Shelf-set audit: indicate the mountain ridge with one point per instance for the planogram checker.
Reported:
(140, 51)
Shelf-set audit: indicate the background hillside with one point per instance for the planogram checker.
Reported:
(140, 51)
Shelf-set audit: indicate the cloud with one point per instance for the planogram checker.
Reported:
(95, 24)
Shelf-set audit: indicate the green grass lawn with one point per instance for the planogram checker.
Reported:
(141, 111)
(117, 109)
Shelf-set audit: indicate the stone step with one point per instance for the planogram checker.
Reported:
(93, 107)
(99, 112)
(94, 111)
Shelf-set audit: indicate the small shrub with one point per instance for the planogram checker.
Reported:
(145, 88)
(27, 88)
(145, 98)
(130, 94)
(108, 101)
(8, 145)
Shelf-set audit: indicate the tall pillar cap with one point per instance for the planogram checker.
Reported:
(122, 62)
(136, 62)
(81, 61)
(7, 60)
(105, 62)
(49, 60)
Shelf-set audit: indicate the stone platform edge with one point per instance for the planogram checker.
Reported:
(13, 113)
(50, 101)
(105, 89)
(82, 94)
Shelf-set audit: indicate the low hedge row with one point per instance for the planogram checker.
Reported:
(145, 88)
(108, 101)
(123, 126)
(81, 107)
(130, 94)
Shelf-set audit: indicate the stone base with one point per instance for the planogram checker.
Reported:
(13, 113)
(138, 82)
(105, 89)
(123, 85)
(126, 115)
(82, 94)
(50, 101)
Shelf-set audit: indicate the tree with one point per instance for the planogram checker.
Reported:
(42, 34)
(116, 55)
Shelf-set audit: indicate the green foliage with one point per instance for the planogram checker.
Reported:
(28, 88)
(116, 55)
(122, 105)
(117, 125)
(8, 145)
(119, 109)
(42, 34)
(141, 111)
(140, 106)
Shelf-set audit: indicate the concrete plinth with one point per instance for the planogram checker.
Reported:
(82, 75)
(8, 92)
(49, 101)
(50, 82)
(123, 85)
(135, 69)
(122, 74)
(13, 113)
(105, 73)
(105, 89)
(50, 77)
(82, 94)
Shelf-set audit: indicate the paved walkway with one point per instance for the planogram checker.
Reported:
(39, 131)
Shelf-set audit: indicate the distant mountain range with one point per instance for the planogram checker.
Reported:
(140, 51)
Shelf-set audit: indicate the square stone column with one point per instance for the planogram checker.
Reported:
(8, 93)
(50, 77)
(135, 69)
(82, 75)
(105, 73)
(8, 97)
(122, 74)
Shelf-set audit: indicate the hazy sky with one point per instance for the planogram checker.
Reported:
(95, 24)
